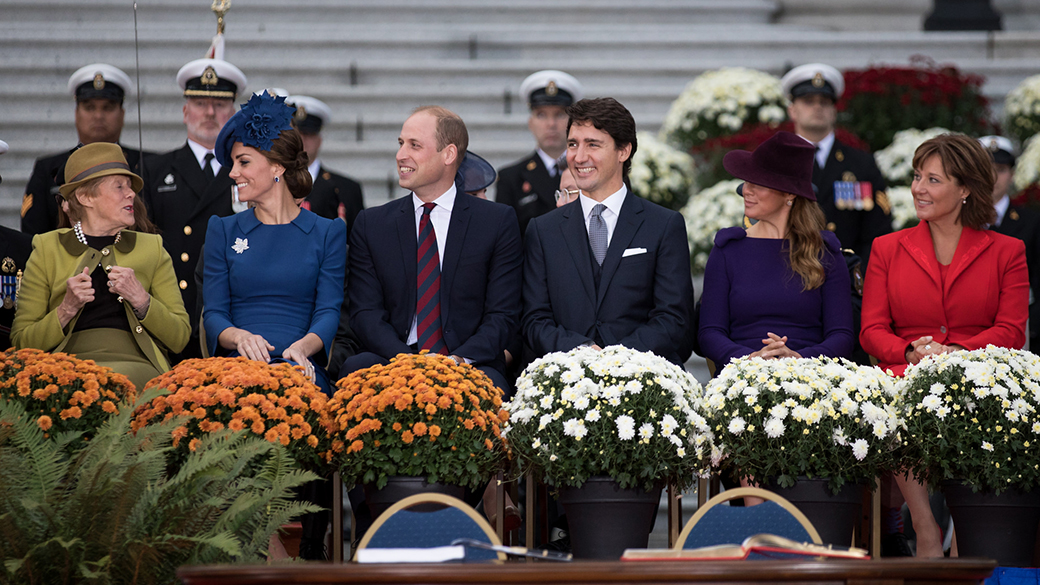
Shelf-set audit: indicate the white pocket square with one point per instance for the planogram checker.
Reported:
(633, 252)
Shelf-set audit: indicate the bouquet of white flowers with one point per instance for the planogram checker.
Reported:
(904, 214)
(972, 416)
(896, 161)
(1027, 166)
(1022, 109)
(707, 212)
(661, 173)
(777, 419)
(615, 412)
(719, 103)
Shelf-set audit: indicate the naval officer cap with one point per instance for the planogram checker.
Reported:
(99, 81)
(813, 78)
(214, 78)
(311, 113)
(551, 88)
(1001, 148)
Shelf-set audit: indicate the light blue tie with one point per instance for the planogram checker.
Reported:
(598, 233)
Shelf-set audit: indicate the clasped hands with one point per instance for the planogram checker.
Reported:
(775, 347)
(255, 347)
(122, 281)
(924, 347)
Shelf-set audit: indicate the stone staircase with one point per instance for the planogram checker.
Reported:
(374, 61)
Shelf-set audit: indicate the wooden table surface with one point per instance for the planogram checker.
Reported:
(852, 572)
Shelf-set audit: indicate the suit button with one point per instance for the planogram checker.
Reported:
(831, 226)
(187, 230)
(105, 252)
(120, 299)
(184, 257)
(942, 329)
(108, 268)
(139, 329)
(183, 284)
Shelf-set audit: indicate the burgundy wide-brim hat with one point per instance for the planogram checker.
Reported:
(784, 162)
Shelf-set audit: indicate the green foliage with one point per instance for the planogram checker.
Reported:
(110, 513)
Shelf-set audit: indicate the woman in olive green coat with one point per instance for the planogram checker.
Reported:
(98, 290)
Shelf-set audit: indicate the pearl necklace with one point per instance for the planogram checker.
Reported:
(78, 229)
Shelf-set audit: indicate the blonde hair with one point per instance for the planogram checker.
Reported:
(805, 248)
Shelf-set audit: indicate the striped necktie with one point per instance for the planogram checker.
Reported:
(428, 297)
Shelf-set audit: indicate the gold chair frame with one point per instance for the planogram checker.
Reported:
(740, 493)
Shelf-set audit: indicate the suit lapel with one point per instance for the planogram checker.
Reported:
(188, 168)
(918, 243)
(577, 238)
(453, 246)
(969, 247)
(409, 247)
(626, 228)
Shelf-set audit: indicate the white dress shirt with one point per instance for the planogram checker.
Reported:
(549, 162)
(440, 215)
(823, 149)
(609, 215)
(1002, 209)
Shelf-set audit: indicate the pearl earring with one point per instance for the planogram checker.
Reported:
(963, 201)
(790, 203)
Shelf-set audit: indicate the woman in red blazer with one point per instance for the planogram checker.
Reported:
(945, 285)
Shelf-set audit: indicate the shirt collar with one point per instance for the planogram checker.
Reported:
(1002, 208)
(446, 200)
(548, 161)
(200, 152)
(825, 147)
(314, 168)
(613, 202)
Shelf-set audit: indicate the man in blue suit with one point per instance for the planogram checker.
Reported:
(438, 269)
(609, 268)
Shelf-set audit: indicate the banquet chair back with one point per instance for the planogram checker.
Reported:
(715, 523)
(437, 520)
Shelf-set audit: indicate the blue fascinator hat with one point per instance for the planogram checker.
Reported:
(474, 174)
(257, 124)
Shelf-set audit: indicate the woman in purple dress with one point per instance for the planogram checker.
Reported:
(781, 287)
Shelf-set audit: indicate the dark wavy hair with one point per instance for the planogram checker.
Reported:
(608, 115)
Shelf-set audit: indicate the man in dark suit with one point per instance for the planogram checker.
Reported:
(1018, 222)
(609, 268)
(332, 195)
(99, 90)
(850, 188)
(471, 263)
(529, 185)
(185, 187)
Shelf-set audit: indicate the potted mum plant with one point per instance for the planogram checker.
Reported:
(274, 401)
(420, 423)
(661, 173)
(820, 427)
(973, 428)
(605, 425)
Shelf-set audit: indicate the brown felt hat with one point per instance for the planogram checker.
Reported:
(99, 159)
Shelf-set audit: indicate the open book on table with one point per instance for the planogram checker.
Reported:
(759, 546)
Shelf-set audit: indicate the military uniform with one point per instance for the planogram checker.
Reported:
(180, 200)
(527, 187)
(15, 248)
(40, 202)
(334, 195)
(1024, 223)
(851, 192)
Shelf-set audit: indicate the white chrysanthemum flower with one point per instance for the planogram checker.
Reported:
(896, 160)
(545, 420)
(774, 428)
(646, 431)
(987, 445)
(736, 426)
(592, 415)
(860, 449)
(536, 443)
(626, 427)
(931, 402)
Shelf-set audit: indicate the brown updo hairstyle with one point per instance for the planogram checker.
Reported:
(90, 190)
(970, 165)
(805, 249)
(288, 151)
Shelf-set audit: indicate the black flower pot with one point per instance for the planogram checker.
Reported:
(833, 516)
(603, 519)
(1001, 527)
(400, 487)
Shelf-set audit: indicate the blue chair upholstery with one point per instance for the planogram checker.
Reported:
(716, 523)
(400, 527)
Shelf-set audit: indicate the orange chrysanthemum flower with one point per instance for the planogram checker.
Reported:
(44, 422)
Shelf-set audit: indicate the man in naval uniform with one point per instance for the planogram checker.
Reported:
(15, 248)
(850, 188)
(185, 187)
(332, 195)
(1018, 222)
(530, 184)
(99, 90)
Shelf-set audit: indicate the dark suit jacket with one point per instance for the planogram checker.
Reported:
(527, 187)
(15, 248)
(180, 200)
(481, 271)
(334, 195)
(983, 299)
(40, 202)
(855, 228)
(644, 300)
(1024, 223)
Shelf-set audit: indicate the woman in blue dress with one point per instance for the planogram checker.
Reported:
(273, 282)
(781, 287)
